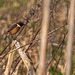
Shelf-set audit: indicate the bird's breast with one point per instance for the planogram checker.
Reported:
(14, 31)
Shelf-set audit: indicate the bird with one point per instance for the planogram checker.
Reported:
(14, 29)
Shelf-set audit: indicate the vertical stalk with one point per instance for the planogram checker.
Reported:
(44, 32)
(70, 39)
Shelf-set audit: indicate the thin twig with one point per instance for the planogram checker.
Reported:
(39, 39)
(33, 39)
(55, 52)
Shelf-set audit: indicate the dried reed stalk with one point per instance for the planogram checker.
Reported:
(24, 57)
(16, 70)
(44, 32)
(9, 63)
(69, 48)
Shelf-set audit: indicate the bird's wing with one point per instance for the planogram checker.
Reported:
(12, 27)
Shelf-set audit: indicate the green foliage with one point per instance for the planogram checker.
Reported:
(1, 38)
(58, 73)
(1, 3)
(72, 72)
(52, 70)
(22, 2)
(54, 49)
(34, 26)
(0, 49)
(25, 2)
(58, 1)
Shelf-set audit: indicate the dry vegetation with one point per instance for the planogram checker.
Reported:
(29, 12)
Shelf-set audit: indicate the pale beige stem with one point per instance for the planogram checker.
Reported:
(9, 63)
(24, 57)
(70, 39)
(44, 32)
(17, 68)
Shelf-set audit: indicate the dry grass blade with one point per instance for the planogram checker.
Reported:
(16, 70)
(24, 57)
(9, 63)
